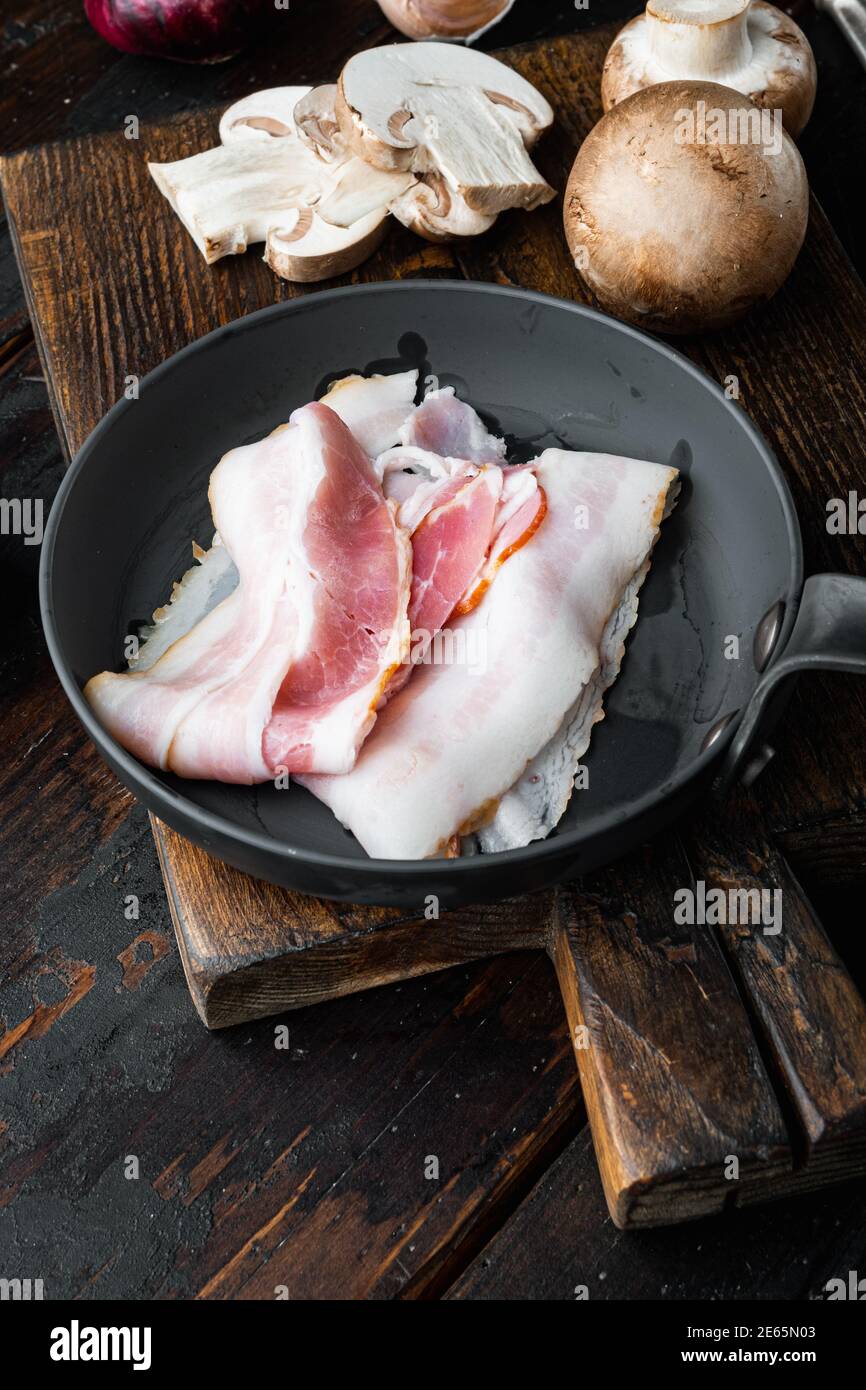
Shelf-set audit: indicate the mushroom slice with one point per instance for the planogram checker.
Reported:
(439, 109)
(431, 210)
(304, 248)
(349, 189)
(264, 184)
(752, 47)
(355, 189)
(316, 122)
(263, 115)
(462, 21)
(234, 194)
(352, 189)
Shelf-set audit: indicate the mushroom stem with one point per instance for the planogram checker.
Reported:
(699, 40)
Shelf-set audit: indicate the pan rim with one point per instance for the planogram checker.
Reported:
(147, 786)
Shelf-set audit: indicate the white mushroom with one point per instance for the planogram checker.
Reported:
(435, 108)
(231, 196)
(460, 20)
(264, 184)
(353, 188)
(680, 229)
(356, 189)
(420, 202)
(432, 211)
(316, 122)
(262, 116)
(305, 248)
(752, 47)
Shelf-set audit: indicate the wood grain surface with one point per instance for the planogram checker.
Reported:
(261, 1165)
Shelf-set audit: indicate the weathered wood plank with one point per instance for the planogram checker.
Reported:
(805, 1003)
(561, 1245)
(675, 1088)
(257, 949)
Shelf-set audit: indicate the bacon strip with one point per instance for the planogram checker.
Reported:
(449, 747)
(287, 672)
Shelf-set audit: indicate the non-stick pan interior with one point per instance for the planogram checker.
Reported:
(544, 373)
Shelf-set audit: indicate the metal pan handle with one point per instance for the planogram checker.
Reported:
(851, 18)
(829, 635)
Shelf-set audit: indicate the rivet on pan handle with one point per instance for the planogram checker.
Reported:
(829, 635)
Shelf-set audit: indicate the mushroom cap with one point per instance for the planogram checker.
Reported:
(680, 235)
(780, 75)
(460, 20)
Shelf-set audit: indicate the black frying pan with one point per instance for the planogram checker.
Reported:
(545, 372)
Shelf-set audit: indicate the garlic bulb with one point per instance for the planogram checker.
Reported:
(460, 20)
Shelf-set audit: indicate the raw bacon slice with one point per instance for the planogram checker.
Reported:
(450, 746)
(452, 510)
(211, 579)
(537, 802)
(522, 508)
(446, 546)
(374, 407)
(360, 561)
(144, 709)
(288, 670)
(449, 427)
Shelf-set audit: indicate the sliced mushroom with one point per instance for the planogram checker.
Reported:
(316, 123)
(356, 189)
(435, 108)
(459, 20)
(231, 196)
(752, 47)
(306, 249)
(432, 211)
(682, 234)
(262, 115)
(265, 184)
(353, 189)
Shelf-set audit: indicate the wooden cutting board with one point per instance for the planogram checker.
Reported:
(719, 1067)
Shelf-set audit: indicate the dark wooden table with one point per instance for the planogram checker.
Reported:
(142, 1157)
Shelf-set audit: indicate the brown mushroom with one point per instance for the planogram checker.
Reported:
(745, 44)
(678, 226)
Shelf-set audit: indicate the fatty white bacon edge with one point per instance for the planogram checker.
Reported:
(537, 802)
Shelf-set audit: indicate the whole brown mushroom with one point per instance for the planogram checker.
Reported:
(679, 214)
(745, 44)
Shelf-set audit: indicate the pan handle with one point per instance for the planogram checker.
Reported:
(829, 634)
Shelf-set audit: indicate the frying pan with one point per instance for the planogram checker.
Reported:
(544, 372)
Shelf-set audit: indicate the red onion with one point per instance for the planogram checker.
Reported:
(191, 31)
